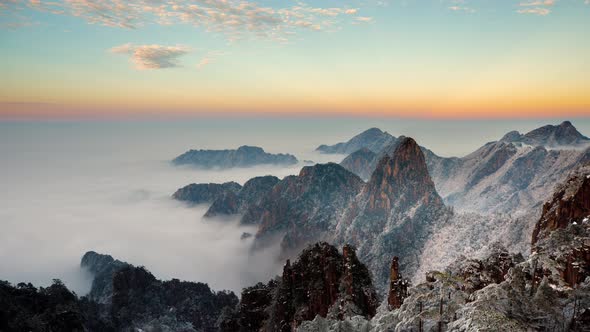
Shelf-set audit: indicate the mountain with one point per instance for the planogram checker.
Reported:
(395, 213)
(244, 156)
(374, 139)
(300, 209)
(232, 202)
(359, 162)
(325, 290)
(551, 136)
(549, 290)
(205, 192)
(512, 175)
(321, 282)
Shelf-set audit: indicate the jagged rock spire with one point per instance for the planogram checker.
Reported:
(398, 287)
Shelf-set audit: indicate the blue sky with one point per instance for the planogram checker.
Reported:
(431, 58)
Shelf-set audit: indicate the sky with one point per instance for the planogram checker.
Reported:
(415, 59)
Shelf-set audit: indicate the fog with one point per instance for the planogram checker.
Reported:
(70, 187)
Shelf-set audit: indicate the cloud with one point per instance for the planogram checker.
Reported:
(538, 3)
(540, 7)
(364, 19)
(121, 206)
(152, 56)
(462, 9)
(236, 19)
(536, 11)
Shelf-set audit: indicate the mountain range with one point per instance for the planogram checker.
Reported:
(328, 290)
(512, 175)
(429, 243)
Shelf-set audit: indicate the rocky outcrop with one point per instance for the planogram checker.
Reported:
(398, 286)
(231, 202)
(570, 204)
(373, 139)
(476, 274)
(359, 162)
(301, 209)
(395, 212)
(561, 238)
(103, 269)
(244, 156)
(321, 282)
(204, 193)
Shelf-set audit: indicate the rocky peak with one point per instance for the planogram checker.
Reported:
(401, 179)
(395, 212)
(570, 204)
(398, 286)
(103, 268)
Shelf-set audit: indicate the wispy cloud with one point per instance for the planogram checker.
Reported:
(363, 19)
(537, 3)
(462, 9)
(236, 19)
(536, 7)
(152, 56)
(536, 11)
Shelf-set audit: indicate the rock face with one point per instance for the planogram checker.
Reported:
(359, 162)
(231, 202)
(374, 139)
(244, 156)
(302, 209)
(570, 204)
(125, 297)
(205, 192)
(320, 282)
(395, 212)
